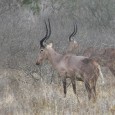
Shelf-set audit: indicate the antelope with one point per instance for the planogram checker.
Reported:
(69, 66)
(72, 43)
(105, 57)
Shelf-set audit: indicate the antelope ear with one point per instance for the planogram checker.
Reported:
(50, 45)
(74, 41)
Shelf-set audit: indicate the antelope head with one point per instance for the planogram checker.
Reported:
(72, 43)
(43, 55)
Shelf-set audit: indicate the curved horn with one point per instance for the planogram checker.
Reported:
(47, 33)
(74, 32)
(41, 41)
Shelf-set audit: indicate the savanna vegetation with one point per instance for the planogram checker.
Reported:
(26, 89)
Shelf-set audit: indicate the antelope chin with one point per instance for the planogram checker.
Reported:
(37, 63)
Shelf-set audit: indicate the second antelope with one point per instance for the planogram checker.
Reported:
(73, 46)
(69, 66)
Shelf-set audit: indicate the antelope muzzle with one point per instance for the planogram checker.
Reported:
(37, 63)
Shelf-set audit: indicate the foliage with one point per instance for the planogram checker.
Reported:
(26, 2)
(32, 4)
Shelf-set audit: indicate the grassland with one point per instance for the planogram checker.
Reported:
(22, 94)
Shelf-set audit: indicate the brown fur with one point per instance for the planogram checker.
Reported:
(105, 57)
(86, 60)
(68, 65)
(87, 68)
(72, 47)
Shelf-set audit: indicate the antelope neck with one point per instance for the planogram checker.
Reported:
(54, 57)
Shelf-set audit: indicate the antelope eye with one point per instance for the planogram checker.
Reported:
(41, 50)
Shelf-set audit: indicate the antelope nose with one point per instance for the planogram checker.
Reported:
(37, 63)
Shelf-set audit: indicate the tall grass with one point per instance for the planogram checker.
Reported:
(22, 95)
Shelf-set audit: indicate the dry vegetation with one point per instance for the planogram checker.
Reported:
(26, 89)
(22, 94)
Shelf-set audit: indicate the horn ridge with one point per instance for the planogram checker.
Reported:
(74, 32)
(42, 40)
(49, 32)
(75, 29)
(49, 29)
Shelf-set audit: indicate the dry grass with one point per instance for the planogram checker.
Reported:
(20, 94)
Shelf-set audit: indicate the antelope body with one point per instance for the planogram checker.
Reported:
(69, 66)
(105, 57)
(90, 52)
